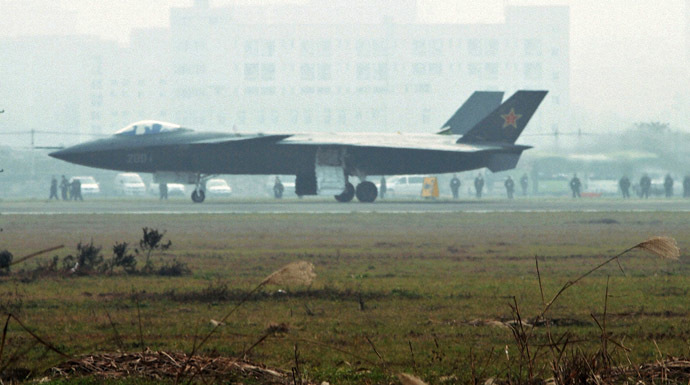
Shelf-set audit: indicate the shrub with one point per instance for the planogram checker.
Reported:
(151, 241)
(5, 261)
(123, 258)
(89, 257)
(174, 269)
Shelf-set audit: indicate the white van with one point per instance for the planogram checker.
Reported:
(405, 185)
(89, 186)
(218, 187)
(129, 184)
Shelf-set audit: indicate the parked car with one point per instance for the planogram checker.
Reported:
(89, 186)
(174, 189)
(218, 187)
(405, 185)
(129, 184)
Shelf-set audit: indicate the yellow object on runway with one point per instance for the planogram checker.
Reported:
(430, 187)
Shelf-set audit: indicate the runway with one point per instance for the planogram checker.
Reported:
(324, 206)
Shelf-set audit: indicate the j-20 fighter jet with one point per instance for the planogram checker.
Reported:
(320, 161)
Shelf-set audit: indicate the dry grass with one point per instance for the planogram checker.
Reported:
(160, 364)
(663, 247)
(293, 274)
(423, 280)
(408, 379)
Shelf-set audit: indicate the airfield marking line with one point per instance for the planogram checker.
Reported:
(315, 212)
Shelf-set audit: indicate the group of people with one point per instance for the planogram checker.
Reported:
(645, 187)
(68, 190)
(479, 186)
(510, 185)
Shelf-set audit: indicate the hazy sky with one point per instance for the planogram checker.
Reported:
(628, 57)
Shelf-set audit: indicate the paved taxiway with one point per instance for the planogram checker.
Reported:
(320, 205)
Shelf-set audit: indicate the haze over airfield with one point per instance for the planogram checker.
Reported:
(628, 57)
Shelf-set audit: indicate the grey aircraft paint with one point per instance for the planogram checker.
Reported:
(477, 107)
(158, 148)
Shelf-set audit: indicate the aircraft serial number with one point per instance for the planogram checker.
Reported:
(138, 158)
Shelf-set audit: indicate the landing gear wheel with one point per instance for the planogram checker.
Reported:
(366, 192)
(347, 194)
(198, 196)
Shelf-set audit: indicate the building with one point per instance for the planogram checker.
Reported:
(342, 65)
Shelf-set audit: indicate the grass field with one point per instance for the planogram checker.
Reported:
(394, 292)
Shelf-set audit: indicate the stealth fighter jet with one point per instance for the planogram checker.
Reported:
(320, 161)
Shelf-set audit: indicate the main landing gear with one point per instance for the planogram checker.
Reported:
(347, 194)
(365, 192)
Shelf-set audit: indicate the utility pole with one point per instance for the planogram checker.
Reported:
(33, 153)
(2, 112)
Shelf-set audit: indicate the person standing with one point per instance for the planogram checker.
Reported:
(163, 191)
(645, 186)
(53, 189)
(575, 186)
(479, 185)
(455, 186)
(76, 190)
(524, 183)
(278, 188)
(382, 187)
(624, 184)
(668, 186)
(510, 187)
(64, 187)
(686, 186)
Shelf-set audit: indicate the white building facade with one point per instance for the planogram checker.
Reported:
(290, 68)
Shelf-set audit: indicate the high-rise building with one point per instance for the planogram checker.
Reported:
(342, 65)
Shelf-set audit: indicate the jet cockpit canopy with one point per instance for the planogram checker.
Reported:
(148, 127)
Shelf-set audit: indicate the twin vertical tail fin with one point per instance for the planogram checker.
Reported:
(479, 105)
(506, 123)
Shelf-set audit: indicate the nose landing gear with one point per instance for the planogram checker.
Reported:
(198, 195)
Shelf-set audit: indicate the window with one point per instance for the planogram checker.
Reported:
(533, 71)
(491, 71)
(307, 117)
(419, 69)
(491, 47)
(419, 48)
(363, 71)
(268, 48)
(307, 71)
(475, 70)
(251, 71)
(435, 47)
(324, 72)
(474, 47)
(327, 116)
(532, 47)
(381, 71)
(435, 69)
(268, 72)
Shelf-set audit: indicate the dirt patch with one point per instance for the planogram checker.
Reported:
(602, 221)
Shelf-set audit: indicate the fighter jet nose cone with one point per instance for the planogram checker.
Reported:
(60, 154)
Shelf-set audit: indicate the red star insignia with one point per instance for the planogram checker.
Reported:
(510, 119)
